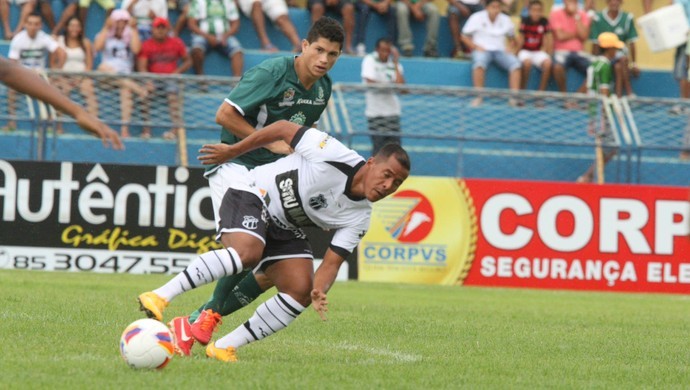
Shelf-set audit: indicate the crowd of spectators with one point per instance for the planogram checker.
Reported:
(551, 41)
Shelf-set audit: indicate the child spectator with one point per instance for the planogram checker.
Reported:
(536, 44)
(213, 24)
(599, 79)
(621, 23)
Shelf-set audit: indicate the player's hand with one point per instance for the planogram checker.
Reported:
(215, 154)
(319, 303)
(109, 136)
(279, 147)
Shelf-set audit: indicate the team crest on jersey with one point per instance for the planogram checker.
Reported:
(318, 202)
(299, 118)
(288, 97)
(319, 97)
(250, 222)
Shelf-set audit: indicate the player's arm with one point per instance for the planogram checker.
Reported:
(323, 281)
(278, 131)
(29, 83)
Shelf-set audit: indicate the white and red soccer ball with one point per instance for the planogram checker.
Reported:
(146, 344)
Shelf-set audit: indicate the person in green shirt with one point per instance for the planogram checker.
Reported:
(293, 88)
(599, 79)
(613, 19)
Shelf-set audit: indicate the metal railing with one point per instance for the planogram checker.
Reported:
(449, 131)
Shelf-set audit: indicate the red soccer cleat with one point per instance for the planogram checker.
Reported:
(183, 341)
(205, 325)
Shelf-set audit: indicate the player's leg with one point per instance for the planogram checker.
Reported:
(242, 233)
(294, 280)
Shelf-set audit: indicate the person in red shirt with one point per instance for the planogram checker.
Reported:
(164, 54)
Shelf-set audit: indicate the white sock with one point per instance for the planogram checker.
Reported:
(206, 268)
(270, 317)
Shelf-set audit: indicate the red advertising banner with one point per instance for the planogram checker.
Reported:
(575, 236)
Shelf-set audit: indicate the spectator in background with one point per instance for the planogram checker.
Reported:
(163, 54)
(28, 7)
(345, 8)
(213, 24)
(33, 49)
(420, 10)
(458, 13)
(621, 23)
(277, 11)
(119, 43)
(570, 27)
(5, 17)
(144, 11)
(680, 64)
(182, 21)
(382, 106)
(107, 5)
(69, 9)
(385, 8)
(485, 34)
(78, 58)
(599, 79)
(535, 44)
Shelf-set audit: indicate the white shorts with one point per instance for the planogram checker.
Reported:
(229, 175)
(272, 8)
(536, 57)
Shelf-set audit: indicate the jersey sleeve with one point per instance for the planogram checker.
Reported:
(632, 30)
(254, 89)
(471, 25)
(315, 145)
(368, 68)
(346, 239)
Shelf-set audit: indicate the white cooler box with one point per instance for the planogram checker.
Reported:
(665, 28)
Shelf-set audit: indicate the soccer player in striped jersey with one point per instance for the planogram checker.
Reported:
(294, 88)
(323, 184)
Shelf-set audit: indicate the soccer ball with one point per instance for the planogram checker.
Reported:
(146, 343)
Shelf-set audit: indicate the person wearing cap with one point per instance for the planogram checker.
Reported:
(119, 42)
(599, 79)
(145, 11)
(164, 54)
(613, 19)
(213, 24)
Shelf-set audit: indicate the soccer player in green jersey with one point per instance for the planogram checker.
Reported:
(599, 79)
(290, 88)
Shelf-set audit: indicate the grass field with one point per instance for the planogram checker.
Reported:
(61, 330)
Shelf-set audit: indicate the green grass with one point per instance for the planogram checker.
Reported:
(61, 330)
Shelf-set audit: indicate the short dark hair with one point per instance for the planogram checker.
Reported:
(393, 149)
(535, 2)
(329, 28)
(491, 1)
(383, 40)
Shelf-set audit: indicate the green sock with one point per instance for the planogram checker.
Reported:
(222, 291)
(243, 294)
